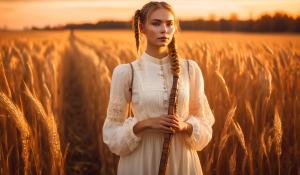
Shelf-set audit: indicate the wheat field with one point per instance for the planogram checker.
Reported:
(54, 90)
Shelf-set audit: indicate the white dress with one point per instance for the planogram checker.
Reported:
(140, 154)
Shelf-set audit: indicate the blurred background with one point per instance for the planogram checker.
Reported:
(224, 15)
(57, 58)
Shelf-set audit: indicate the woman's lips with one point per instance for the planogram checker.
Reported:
(164, 39)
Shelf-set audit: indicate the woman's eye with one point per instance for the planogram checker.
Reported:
(155, 24)
(170, 24)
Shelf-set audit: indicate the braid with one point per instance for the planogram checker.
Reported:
(136, 22)
(175, 67)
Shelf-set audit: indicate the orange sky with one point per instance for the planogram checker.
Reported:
(17, 14)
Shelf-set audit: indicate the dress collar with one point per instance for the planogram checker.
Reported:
(155, 60)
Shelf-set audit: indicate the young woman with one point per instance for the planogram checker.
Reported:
(139, 139)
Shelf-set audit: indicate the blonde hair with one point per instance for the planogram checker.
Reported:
(141, 15)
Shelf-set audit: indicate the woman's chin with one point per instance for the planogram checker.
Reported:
(159, 44)
(162, 44)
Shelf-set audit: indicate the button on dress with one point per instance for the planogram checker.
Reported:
(140, 154)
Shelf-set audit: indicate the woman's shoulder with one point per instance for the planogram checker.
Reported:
(121, 70)
(190, 62)
(124, 69)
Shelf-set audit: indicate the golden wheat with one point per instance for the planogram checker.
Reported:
(49, 122)
(252, 87)
(21, 124)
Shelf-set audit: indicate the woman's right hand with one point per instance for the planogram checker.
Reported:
(163, 123)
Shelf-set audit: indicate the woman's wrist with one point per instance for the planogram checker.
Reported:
(139, 127)
(188, 129)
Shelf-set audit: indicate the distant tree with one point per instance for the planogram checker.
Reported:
(47, 27)
(280, 22)
(212, 24)
(297, 25)
(264, 24)
(234, 21)
(224, 25)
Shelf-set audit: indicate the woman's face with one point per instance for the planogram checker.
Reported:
(159, 28)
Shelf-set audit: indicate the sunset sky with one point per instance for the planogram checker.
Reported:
(17, 14)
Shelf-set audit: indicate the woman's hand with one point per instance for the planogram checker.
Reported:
(183, 127)
(163, 123)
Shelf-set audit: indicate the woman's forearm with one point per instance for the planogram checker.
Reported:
(139, 127)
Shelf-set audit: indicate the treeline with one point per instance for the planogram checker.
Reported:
(279, 22)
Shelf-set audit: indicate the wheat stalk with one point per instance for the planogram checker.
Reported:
(249, 112)
(225, 134)
(277, 136)
(49, 122)
(277, 132)
(223, 84)
(232, 162)
(21, 125)
(239, 133)
(5, 79)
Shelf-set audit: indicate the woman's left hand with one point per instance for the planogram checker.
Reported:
(181, 126)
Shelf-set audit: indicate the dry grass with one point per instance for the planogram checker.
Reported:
(58, 85)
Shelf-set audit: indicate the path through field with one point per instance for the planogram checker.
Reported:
(82, 156)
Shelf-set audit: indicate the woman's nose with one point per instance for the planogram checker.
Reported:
(163, 28)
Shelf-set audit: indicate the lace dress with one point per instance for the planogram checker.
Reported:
(140, 154)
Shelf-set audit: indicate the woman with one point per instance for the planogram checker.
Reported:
(139, 139)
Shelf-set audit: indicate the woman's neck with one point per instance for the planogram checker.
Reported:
(157, 52)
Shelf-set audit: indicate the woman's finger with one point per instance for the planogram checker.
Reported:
(167, 129)
(167, 124)
(173, 117)
(169, 120)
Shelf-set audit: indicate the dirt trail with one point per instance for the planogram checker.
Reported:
(83, 156)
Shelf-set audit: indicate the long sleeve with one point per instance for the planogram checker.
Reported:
(200, 114)
(117, 129)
